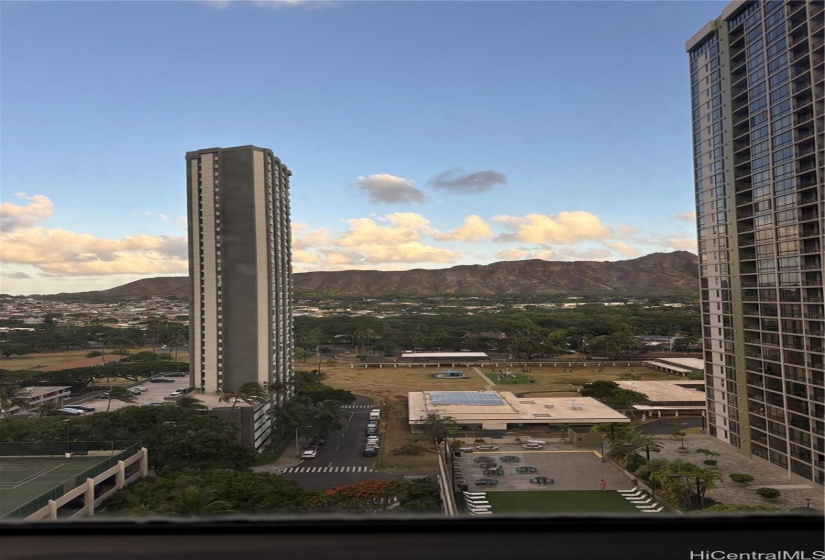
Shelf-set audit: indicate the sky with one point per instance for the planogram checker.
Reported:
(422, 134)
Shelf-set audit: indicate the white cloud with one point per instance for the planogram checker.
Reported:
(564, 228)
(58, 252)
(686, 216)
(385, 188)
(473, 229)
(381, 242)
(624, 249)
(680, 243)
(15, 216)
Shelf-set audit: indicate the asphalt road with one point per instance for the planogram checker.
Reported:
(340, 460)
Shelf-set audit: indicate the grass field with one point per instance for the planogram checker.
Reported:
(563, 502)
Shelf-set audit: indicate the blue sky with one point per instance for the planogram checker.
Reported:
(419, 134)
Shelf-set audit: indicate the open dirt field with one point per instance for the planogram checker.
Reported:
(31, 361)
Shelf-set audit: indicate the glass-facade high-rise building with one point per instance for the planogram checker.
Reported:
(240, 268)
(757, 105)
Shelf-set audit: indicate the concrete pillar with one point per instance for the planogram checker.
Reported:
(120, 477)
(89, 497)
(144, 462)
(52, 509)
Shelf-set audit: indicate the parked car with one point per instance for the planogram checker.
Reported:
(161, 380)
(539, 441)
(317, 441)
(70, 411)
(177, 393)
(532, 446)
(309, 454)
(487, 447)
(370, 451)
(137, 390)
(81, 407)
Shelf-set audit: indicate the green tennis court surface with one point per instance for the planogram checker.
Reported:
(562, 502)
(23, 479)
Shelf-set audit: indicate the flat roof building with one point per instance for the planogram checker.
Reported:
(496, 411)
(758, 100)
(240, 268)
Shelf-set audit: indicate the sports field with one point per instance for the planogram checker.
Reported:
(23, 479)
(564, 502)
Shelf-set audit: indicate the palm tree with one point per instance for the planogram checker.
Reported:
(120, 394)
(630, 442)
(677, 479)
(47, 407)
(12, 396)
(193, 501)
(250, 392)
(188, 402)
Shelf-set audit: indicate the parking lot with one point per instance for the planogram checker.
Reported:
(154, 393)
(568, 467)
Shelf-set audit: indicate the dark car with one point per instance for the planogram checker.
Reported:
(317, 441)
(370, 452)
(176, 374)
(161, 380)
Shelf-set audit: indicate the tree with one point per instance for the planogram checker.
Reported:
(120, 394)
(188, 402)
(47, 408)
(250, 393)
(629, 443)
(680, 480)
(534, 344)
(194, 501)
(12, 396)
(437, 426)
(11, 349)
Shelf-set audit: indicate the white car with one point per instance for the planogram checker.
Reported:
(538, 441)
(309, 454)
(138, 389)
(532, 446)
(70, 411)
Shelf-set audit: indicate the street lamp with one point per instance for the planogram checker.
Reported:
(297, 449)
(601, 449)
(68, 423)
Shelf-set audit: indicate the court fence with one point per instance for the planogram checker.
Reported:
(110, 453)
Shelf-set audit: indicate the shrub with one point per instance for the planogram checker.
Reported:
(407, 449)
(741, 477)
(768, 493)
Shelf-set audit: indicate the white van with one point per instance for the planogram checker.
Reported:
(375, 414)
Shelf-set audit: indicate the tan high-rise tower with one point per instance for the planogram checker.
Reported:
(240, 268)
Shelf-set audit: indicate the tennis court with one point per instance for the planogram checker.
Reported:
(23, 479)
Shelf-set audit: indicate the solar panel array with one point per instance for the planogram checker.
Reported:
(465, 398)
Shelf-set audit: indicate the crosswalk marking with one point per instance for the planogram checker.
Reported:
(357, 407)
(316, 470)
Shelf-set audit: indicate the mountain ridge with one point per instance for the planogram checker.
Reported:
(656, 274)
